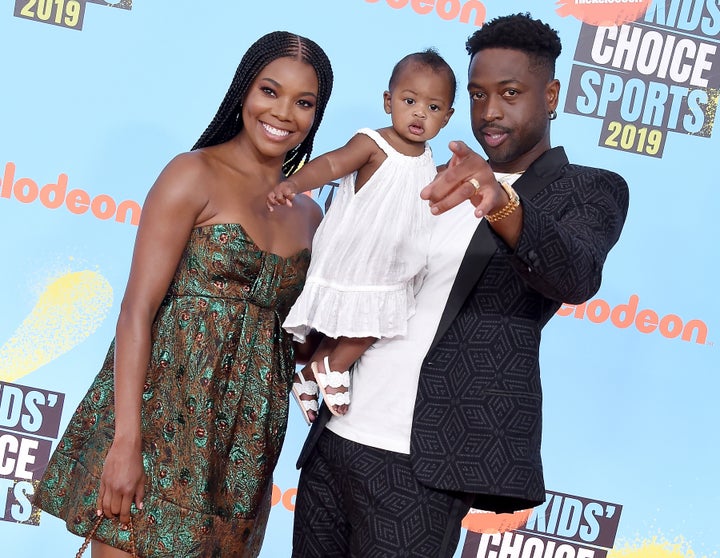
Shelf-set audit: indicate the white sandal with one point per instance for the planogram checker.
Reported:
(305, 387)
(335, 380)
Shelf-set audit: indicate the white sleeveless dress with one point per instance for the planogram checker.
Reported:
(369, 253)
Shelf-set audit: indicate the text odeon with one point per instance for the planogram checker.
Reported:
(645, 321)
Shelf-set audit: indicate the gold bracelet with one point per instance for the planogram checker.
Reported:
(508, 208)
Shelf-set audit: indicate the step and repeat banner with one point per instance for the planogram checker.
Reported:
(97, 96)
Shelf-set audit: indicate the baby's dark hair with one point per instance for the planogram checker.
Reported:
(520, 32)
(430, 58)
(227, 122)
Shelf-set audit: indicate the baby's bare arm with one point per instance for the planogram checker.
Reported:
(324, 169)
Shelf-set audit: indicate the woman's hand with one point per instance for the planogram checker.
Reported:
(122, 482)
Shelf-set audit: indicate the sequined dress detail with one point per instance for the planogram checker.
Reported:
(214, 409)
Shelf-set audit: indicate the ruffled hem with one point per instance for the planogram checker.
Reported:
(351, 313)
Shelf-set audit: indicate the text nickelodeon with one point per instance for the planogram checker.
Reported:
(468, 11)
(645, 320)
(56, 195)
(649, 77)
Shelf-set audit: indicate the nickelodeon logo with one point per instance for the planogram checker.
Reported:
(76, 201)
(287, 498)
(670, 326)
(445, 9)
(477, 521)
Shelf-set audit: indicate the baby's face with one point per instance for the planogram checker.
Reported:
(420, 103)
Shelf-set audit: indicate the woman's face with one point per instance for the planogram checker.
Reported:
(279, 109)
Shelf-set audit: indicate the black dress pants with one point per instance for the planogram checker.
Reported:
(356, 501)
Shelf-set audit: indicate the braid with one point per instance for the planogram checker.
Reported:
(227, 122)
(308, 51)
(520, 32)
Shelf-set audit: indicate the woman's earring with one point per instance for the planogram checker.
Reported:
(552, 115)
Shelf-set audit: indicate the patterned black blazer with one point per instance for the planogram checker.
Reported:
(477, 422)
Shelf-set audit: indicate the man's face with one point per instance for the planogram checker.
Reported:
(509, 103)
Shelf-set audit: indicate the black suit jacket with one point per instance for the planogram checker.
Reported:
(478, 411)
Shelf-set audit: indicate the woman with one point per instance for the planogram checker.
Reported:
(182, 427)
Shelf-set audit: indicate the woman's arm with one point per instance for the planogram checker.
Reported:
(169, 213)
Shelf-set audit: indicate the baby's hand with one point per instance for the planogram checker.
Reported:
(282, 194)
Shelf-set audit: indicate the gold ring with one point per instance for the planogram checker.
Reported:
(475, 184)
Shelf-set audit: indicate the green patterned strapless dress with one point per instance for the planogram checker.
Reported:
(214, 413)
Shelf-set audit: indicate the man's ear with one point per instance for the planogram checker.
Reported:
(448, 114)
(387, 97)
(552, 94)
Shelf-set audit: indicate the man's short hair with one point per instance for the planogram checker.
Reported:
(519, 32)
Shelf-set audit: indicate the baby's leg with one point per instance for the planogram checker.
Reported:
(347, 350)
(340, 357)
(325, 348)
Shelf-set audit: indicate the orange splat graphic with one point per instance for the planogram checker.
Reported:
(603, 14)
(488, 522)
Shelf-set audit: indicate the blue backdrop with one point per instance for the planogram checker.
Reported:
(98, 96)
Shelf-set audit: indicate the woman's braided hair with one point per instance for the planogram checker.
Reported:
(227, 122)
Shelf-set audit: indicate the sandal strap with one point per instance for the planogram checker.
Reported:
(306, 387)
(335, 379)
(332, 378)
(309, 404)
(336, 399)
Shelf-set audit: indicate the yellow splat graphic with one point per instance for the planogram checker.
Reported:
(656, 547)
(70, 309)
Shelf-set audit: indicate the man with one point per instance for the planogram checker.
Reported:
(449, 416)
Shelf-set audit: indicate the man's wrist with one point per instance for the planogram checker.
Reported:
(509, 208)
